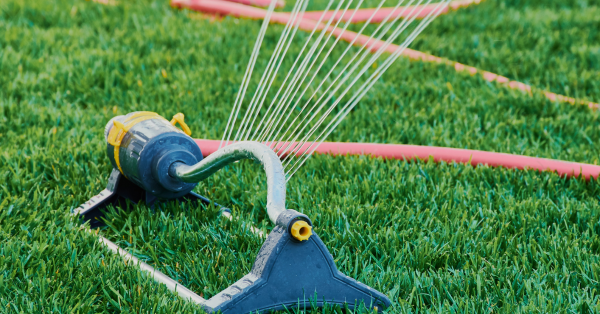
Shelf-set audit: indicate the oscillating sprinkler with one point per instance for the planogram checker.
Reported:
(155, 161)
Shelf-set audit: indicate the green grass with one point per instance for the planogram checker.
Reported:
(433, 237)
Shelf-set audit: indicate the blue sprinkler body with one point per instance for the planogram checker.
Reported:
(144, 148)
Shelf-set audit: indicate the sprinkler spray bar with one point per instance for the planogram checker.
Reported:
(235, 152)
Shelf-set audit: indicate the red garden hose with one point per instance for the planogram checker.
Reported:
(362, 15)
(240, 10)
(465, 156)
(259, 3)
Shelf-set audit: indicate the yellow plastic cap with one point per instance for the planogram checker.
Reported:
(301, 230)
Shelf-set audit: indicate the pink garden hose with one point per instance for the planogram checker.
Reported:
(363, 15)
(239, 10)
(464, 156)
(259, 3)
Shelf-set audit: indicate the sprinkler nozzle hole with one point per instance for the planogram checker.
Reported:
(304, 231)
(301, 230)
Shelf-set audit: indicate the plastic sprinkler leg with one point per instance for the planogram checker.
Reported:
(289, 273)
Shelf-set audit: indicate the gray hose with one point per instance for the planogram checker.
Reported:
(238, 151)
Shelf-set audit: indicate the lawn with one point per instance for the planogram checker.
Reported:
(433, 237)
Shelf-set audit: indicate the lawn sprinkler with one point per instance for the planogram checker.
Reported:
(155, 161)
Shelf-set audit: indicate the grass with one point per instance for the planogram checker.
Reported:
(433, 237)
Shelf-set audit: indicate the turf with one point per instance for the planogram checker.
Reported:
(433, 237)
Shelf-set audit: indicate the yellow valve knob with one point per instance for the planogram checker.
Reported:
(118, 124)
(178, 118)
(113, 137)
(301, 230)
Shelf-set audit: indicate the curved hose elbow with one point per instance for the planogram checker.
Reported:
(276, 182)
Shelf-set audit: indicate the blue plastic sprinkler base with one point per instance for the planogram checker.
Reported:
(287, 274)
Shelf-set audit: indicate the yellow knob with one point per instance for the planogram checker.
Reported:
(113, 135)
(179, 118)
(301, 230)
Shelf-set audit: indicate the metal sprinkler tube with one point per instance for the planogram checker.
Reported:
(153, 160)
(235, 152)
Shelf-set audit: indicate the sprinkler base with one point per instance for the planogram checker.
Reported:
(290, 274)
(287, 273)
(118, 191)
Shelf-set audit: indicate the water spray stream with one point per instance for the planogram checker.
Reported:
(248, 73)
